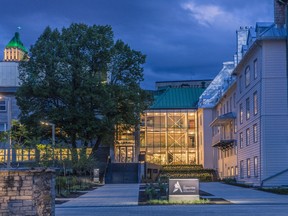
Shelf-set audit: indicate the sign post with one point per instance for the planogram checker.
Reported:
(96, 175)
(183, 189)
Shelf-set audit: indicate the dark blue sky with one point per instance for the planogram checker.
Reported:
(183, 39)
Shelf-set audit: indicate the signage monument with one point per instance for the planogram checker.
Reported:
(183, 189)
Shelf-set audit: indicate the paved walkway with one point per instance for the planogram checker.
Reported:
(240, 195)
(107, 195)
(122, 200)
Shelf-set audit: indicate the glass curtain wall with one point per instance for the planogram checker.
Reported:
(169, 136)
(124, 146)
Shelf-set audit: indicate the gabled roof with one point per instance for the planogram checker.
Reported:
(15, 42)
(177, 98)
(221, 83)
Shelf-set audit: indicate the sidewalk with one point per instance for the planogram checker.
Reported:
(240, 195)
(122, 200)
(107, 195)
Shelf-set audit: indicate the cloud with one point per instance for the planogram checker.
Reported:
(204, 14)
(220, 16)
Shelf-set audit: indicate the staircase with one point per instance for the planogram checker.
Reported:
(122, 173)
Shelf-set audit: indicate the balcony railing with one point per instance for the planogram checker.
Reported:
(223, 140)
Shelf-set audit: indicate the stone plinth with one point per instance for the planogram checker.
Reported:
(27, 191)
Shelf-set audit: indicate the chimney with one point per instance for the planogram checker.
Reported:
(280, 12)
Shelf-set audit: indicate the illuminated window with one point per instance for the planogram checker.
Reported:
(255, 133)
(247, 137)
(241, 139)
(247, 108)
(255, 103)
(248, 168)
(241, 113)
(255, 166)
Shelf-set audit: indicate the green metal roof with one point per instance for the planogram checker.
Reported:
(15, 42)
(177, 98)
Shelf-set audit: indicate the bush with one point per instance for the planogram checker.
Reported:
(167, 202)
(187, 171)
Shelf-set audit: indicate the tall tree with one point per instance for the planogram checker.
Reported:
(82, 81)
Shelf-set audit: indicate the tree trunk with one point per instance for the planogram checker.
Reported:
(74, 149)
(95, 147)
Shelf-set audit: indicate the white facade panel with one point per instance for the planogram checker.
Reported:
(9, 74)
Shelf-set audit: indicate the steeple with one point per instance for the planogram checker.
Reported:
(15, 50)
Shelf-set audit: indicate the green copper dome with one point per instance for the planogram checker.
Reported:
(15, 42)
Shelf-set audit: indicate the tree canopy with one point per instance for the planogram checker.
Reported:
(83, 81)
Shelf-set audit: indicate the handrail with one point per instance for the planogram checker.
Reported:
(273, 176)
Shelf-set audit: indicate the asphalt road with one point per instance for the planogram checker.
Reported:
(179, 210)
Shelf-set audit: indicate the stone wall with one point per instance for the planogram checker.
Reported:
(27, 192)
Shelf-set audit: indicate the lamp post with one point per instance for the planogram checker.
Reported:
(53, 139)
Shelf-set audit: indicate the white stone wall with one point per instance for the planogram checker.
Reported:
(9, 74)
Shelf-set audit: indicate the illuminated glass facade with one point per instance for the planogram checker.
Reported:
(167, 133)
(169, 136)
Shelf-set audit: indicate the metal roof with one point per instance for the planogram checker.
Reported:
(177, 98)
(15, 42)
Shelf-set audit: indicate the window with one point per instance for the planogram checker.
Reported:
(240, 84)
(248, 168)
(255, 69)
(236, 170)
(247, 108)
(230, 104)
(3, 127)
(232, 171)
(234, 100)
(241, 113)
(247, 76)
(247, 137)
(255, 103)
(241, 169)
(192, 141)
(241, 139)
(2, 105)
(256, 166)
(255, 133)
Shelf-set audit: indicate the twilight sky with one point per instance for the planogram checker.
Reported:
(183, 39)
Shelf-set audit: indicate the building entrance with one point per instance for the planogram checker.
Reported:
(124, 154)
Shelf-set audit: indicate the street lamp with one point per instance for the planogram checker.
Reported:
(9, 118)
(53, 138)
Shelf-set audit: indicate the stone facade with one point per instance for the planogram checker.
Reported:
(27, 192)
